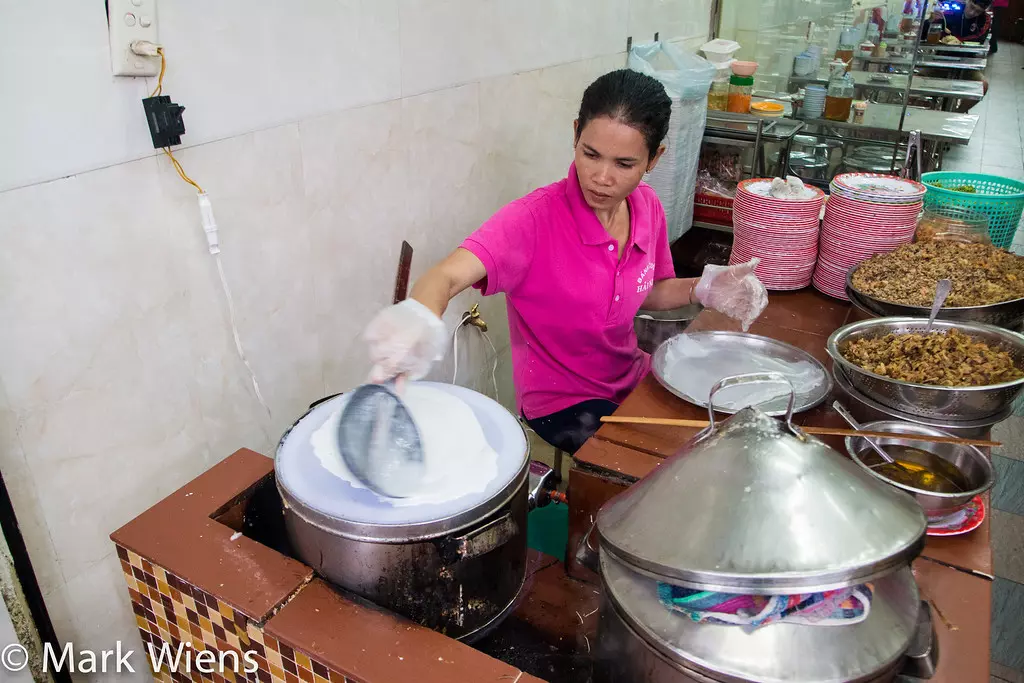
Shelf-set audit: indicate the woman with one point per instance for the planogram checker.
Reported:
(576, 260)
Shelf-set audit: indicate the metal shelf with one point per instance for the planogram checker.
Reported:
(712, 226)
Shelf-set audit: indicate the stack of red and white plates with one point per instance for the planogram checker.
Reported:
(866, 214)
(782, 233)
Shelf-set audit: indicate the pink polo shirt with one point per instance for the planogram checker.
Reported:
(571, 303)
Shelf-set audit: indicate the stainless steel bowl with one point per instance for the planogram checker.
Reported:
(959, 403)
(866, 409)
(1008, 314)
(654, 327)
(973, 465)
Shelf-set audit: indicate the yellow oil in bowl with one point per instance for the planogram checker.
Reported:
(920, 470)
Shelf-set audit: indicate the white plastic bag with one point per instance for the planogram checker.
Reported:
(688, 76)
(687, 79)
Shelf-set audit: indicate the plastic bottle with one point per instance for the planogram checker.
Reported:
(718, 96)
(740, 90)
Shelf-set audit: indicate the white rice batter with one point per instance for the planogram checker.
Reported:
(458, 459)
(694, 368)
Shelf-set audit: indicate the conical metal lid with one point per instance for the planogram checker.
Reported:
(756, 506)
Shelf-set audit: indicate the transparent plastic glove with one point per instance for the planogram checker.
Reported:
(733, 290)
(404, 341)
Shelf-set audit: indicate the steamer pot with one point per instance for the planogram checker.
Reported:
(754, 506)
(456, 567)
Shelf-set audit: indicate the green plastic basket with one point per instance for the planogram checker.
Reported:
(999, 198)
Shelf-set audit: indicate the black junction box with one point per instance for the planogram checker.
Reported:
(165, 123)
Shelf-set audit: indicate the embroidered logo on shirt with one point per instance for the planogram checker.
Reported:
(643, 282)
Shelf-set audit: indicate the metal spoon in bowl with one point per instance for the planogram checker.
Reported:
(845, 414)
(918, 479)
(941, 292)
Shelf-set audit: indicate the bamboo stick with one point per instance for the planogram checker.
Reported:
(819, 431)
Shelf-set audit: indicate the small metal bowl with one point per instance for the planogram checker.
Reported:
(654, 327)
(974, 465)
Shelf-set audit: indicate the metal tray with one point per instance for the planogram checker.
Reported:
(741, 345)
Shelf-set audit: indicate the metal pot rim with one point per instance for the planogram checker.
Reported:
(804, 582)
(407, 533)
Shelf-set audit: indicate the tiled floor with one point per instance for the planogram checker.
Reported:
(997, 148)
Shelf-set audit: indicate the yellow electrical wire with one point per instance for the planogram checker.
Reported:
(167, 150)
(160, 80)
(181, 171)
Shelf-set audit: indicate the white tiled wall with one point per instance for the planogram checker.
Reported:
(326, 132)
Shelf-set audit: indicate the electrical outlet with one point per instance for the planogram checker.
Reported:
(128, 21)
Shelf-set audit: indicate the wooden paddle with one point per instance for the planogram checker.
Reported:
(820, 431)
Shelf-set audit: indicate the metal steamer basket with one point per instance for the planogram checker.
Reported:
(752, 505)
(957, 403)
(1007, 314)
(866, 409)
(457, 567)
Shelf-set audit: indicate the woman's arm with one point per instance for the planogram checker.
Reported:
(443, 282)
(670, 293)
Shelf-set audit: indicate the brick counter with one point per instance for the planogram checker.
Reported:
(193, 577)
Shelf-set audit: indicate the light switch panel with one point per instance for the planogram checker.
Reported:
(128, 21)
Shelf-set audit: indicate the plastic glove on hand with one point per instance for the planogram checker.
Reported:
(734, 291)
(404, 341)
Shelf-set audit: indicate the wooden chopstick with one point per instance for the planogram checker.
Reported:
(821, 431)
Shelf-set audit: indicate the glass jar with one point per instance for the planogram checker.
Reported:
(718, 96)
(839, 95)
(845, 55)
(740, 90)
(952, 223)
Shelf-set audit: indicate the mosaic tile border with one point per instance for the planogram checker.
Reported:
(171, 612)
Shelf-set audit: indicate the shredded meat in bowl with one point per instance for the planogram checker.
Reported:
(948, 359)
(981, 274)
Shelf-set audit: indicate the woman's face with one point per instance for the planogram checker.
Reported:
(611, 159)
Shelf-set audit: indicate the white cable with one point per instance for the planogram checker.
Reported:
(455, 345)
(234, 332)
(455, 353)
(494, 367)
(209, 223)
